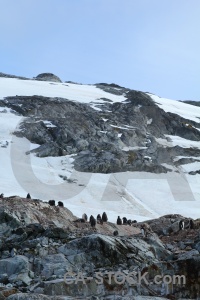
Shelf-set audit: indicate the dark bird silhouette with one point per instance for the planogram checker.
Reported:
(191, 224)
(124, 220)
(104, 217)
(129, 222)
(119, 221)
(99, 219)
(52, 202)
(85, 217)
(93, 222)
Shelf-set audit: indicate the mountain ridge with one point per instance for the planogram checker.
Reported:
(76, 131)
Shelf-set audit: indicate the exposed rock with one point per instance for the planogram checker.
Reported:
(48, 77)
(12, 76)
(40, 243)
(196, 103)
(127, 141)
(36, 257)
(16, 268)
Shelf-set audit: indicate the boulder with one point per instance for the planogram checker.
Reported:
(16, 268)
(48, 77)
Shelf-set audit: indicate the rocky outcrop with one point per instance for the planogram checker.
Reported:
(38, 260)
(12, 76)
(124, 140)
(195, 103)
(48, 77)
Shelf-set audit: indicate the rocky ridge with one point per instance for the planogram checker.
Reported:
(40, 243)
(48, 77)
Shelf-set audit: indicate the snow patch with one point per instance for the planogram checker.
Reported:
(184, 110)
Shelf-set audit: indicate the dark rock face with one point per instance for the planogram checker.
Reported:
(36, 257)
(48, 77)
(195, 103)
(12, 76)
(120, 137)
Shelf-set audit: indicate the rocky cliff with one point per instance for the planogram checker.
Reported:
(40, 244)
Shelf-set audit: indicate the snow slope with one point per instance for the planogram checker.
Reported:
(70, 91)
(184, 110)
(173, 140)
(135, 195)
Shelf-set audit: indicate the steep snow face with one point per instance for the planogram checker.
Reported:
(135, 195)
(184, 110)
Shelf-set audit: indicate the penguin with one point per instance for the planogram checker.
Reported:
(93, 222)
(98, 216)
(91, 217)
(143, 232)
(129, 222)
(191, 224)
(99, 219)
(52, 202)
(104, 217)
(85, 217)
(124, 221)
(119, 221)
(181, 225)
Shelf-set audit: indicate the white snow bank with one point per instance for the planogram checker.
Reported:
(184, 110)
(77, 92)
(173, 140)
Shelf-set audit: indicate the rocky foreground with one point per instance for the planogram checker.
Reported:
(40, 244)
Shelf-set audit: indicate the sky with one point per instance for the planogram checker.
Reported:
(147, 45)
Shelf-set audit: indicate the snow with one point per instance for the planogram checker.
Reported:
(76, 92)
(48, 169)
(148, 158)
(103, 131)
(180, 157)
(128, 126)
(141, 197)
(48, 124)
(135, 195)
(95, 107)
(173, 140)
(133, 148)
(170, 167)
(184, 110)
(120, 127)
(149, 121)
(195, 166)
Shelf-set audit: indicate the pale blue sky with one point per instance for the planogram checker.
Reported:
(147, 45)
